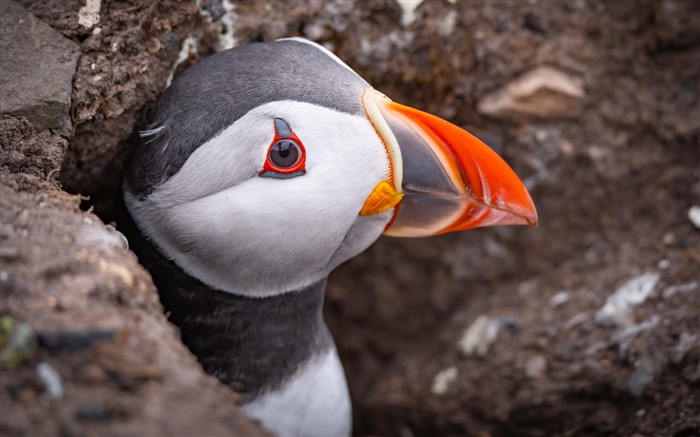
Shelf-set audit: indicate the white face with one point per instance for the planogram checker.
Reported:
(239, 232)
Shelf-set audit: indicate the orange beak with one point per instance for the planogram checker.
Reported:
(449, 179)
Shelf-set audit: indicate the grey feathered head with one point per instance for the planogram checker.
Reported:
(210, 96)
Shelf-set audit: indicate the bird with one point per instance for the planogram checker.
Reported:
(263, 168)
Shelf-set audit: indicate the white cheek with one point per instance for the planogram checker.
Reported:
(260, 236)
(256, 244)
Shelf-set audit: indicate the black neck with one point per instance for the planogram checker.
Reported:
(252, 344)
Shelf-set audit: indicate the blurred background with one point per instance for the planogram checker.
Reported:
(586, 325)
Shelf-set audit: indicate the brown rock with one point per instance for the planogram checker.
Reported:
(543, 92)
(36, 69)
(23, 150)
(146, 379)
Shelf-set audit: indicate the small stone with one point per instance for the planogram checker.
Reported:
(535, 366)
(92, 412)
(559, 299)
(408, 7)
(566, 147)
(694, 216)
(640, 380)
(669, 239)
(544, 92)
(51, 379)
(443, 379)
(75, 339)
(52, 302)
(618, 307)
(672, 290)
(448, 25)
(314, 31)
(36, 69)
(628, 332)
(685, 343)
(214, 8)
(528, 287)
(153, 45)
(89, 15)
(101, 236)
(188, 48)
(477, 339)
(228, 20)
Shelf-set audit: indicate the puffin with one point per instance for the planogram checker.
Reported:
(263, 168)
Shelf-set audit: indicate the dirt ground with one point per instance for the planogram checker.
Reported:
(586, 325)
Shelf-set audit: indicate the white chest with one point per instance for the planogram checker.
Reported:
(315, 402)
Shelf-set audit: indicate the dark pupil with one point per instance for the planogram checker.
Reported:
(284, 153)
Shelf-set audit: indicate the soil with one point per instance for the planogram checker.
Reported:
(586, 325)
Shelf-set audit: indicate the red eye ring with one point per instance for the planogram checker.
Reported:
(284, 145)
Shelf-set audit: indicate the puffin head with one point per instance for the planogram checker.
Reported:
(268, 165)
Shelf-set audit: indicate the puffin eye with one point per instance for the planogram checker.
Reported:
(286, 157)
(285, 153)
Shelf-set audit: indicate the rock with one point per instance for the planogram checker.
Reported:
(640, 379)
(625, 336)
(74, 339)
(535, 366)
(543, 92)
(106, 236)
(125, 62)
(36, 69)
(673, 290)
(89, 15)
(146, 379)
(442, 380)
(51, 379)
(92, 412)
(408, 8)
(23, 150)
(694, 216)
(685, 343)
(477, 339)
(559, 299)
(618, 307)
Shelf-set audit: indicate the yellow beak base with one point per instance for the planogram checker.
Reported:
(382, 198)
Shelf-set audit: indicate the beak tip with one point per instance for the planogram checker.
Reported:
(531, 217)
